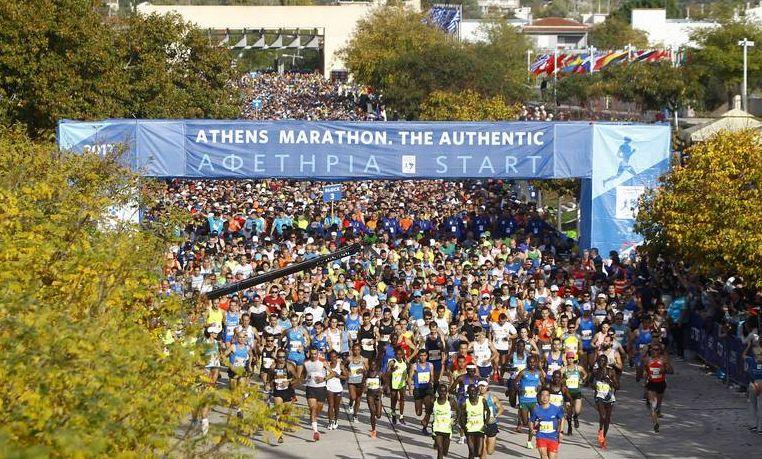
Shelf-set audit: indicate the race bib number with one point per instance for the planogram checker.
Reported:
(281, 384)
(655, 372)
(530, 391)
(353, 334)
(547, 427)
(373, 383)
(602, 387)
(267, 362)
(556, 399)
(239, 362)
(424, 377)
(356, 371)
(367, 344)
(586, 334)
(572, 382)
(295, 346)
(435, 354)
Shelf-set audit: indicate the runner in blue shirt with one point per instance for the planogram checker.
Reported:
(547, 424)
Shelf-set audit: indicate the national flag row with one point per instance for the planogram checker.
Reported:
(580, 62)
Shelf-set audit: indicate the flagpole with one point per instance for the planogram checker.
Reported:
(555, 76)
(529, 66)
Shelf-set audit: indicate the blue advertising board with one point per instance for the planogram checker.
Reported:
(616, 162)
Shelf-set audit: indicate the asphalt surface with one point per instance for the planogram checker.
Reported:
(701, 417)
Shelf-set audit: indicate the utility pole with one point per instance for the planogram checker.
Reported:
(746, 44)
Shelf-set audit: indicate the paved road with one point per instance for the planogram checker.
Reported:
(701, 418)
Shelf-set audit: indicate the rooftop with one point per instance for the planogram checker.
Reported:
(554, 23)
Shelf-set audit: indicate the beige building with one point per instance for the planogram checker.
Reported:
(336, 23)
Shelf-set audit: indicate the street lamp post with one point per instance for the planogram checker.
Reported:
(746, 44)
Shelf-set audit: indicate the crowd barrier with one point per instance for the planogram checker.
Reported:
(719, 350)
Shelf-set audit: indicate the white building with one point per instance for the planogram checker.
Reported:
(557, 33)
(336, 22)
(661, 31)
(498, 5)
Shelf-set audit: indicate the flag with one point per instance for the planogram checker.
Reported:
(538, 66)
(610, 58)
(446, 18)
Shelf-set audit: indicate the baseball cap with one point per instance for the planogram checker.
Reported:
(214, 328)
(483, 383)
(485, 295)
(569, 302)
(586, 307)
(601, 295)
(471, 366)
(554, 288)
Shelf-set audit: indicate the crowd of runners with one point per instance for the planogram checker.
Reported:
(469, 305)
(472, 305)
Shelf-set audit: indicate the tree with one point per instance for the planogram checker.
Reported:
(614, 33)
(654, 85)
(499, 68)
(466, 106)
(707, 212)
(62, 59)
(395, 51)
(92, 362)
(719, 60)
(555, 8)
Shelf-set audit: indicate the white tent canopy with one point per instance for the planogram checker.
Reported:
(733, 120)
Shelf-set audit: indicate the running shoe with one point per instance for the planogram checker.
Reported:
(530, 445)
(569, 429)
(372, 434)
(605, 444)
(424, 431)
(656, 427)
(394, 419)
(239, 413)
(601, 438)
(204, 426)
(280, 439)
(753, 428)
(354, 418)
(402, 421)
(316, 436)
(462, 440)
(576, 422)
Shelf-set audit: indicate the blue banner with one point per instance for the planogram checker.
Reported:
(617, 162)
(718, 350)
(627, 161)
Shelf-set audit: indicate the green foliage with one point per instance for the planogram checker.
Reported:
(707, 212)
(652, 85)
(466, 106)
(84, 368)
(62, 59)
(556, 8)
(500, 68)
(614, 34)
(624, 12)
(718, 59)
(394, 51)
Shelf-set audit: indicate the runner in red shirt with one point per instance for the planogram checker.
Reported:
(657, 366)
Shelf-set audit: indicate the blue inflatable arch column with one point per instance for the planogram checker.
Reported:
(616, 162)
